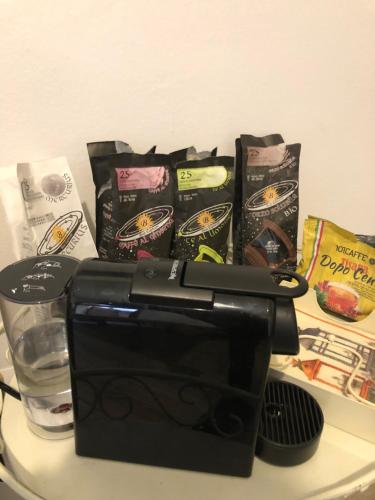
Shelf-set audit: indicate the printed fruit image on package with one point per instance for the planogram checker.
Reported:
(339, 267)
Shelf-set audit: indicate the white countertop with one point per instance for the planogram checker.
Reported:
(342, 464)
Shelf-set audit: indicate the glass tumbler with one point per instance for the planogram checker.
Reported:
(33, 307)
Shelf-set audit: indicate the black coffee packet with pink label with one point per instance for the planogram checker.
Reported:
(134, 205)
(266, 211)
(104, 148)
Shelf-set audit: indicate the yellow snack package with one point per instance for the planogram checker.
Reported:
(339, 267)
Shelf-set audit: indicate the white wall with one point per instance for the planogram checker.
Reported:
(177, 72)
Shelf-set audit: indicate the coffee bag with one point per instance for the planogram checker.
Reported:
(340, 268)
(134, 205)
(266, 212)
(53, 209)
(203, 208)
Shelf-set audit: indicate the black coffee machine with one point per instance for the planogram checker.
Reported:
(169, 359)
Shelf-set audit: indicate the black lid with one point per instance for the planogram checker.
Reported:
(290, 426)
(37, 279)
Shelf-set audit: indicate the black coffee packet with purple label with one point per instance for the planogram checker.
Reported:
(134, 205)
(266, 212)
(203, 208)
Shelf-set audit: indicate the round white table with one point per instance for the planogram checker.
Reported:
(342, 464)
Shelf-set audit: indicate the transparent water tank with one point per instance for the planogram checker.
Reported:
(33, 308)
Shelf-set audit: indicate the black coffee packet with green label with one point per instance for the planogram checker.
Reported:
(134, 205)
(203, 208)
(266, 211)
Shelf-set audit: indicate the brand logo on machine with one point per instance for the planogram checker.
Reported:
(174, 268)
(208, 219)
